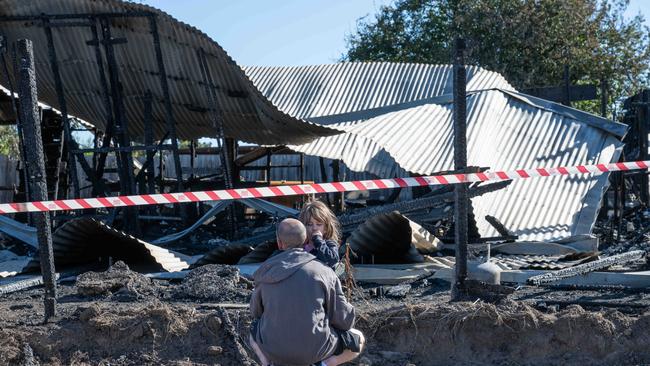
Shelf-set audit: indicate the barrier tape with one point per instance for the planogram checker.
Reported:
(300, 189)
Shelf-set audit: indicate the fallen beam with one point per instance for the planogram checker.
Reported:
(416, 204)
(582, 269)
(393, 274)
(592, 279)
(22, 283)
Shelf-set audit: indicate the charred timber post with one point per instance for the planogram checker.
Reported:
(621, 205)
(268, 168)
(149, 140)
(119, 112)
(124, 159)
(14, 107)
(226, 154)
(567, 86)
(644, 118)
(217, 117)
(603, 112)
(35, 165)
(171, 123)
(603, 97)
(54, 64)
(108, 108)
(460, 164)
(302, 168)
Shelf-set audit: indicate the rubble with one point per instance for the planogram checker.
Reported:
(402, 247)
(215, 282)
(118, 281)
(587, 267)
(398, 291)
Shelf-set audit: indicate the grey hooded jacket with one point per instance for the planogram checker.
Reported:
(299, 302)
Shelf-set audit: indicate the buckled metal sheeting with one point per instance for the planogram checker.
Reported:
(245, 113)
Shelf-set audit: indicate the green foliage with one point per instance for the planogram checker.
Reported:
(527, 41)
(9, 141)
(185, 144)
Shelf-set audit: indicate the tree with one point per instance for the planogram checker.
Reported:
(527, 41)
(9, 141)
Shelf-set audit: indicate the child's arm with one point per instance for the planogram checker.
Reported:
(256, 306)
(325, 251)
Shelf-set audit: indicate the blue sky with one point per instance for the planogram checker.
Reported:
(274, 32)
(286, 32)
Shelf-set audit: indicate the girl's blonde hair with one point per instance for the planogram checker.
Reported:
(320, 212)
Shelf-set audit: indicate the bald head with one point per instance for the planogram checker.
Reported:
(291, 233)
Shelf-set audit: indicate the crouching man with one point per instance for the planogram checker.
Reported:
(300, 315)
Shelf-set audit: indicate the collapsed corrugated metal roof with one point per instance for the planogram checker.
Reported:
(388, 238)
(399, 116)
(506, 131)
(85, 240)
(353, 91)
(246, 114)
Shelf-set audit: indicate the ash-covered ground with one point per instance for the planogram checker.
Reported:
(121, 317)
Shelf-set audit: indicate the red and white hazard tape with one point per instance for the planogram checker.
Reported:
(299, 189)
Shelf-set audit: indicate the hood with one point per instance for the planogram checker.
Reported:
(282, 265)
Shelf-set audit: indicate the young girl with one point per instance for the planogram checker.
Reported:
(323, 233)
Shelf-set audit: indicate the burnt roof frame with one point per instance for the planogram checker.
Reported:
(114, 110)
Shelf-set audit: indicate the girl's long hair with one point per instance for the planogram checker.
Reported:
(320, 212)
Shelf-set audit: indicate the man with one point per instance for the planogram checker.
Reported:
(301, 316)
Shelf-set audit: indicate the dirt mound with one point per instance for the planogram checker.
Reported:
(118, 281)
(115, 334)
(426, 333)
(215, 282)
(510, 333)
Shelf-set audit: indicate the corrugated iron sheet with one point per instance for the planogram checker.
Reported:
(519, 262)
(540, 262)
(246, 114)
(18, 230)
(506, 130)
(399, 116)
(224, 254)
(14, 266)
(352, 91)
(384, 238)
(86, 240)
